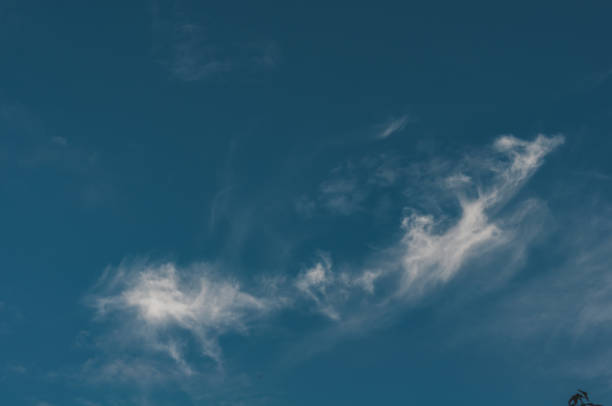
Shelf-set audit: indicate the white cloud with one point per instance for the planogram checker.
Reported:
(457, 180)
(431, 254)
(525, 158)
(331, 291)
(157, 297)
(153, 300)
(392, 126)
(316, 277)
(435, 248)
(315, 283)
(151, 306)
(367, 279)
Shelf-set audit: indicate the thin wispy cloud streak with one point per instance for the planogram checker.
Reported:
(187, 53)
(352, 186)
(393, 126)
(565, 304)
(189, 49)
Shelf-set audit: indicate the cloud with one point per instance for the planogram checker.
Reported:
(315, 282)
(192, 50)
(481, 234)
(193, 58)
(432, 255)
(563, 305)
(393, 126)
(332, 291)
(17, 369)
(27, 145)
(352, 184)
(367, 280)
(152, 306)
(128, 370)
(435, 247)
(343, 195)
(574, 297)
(157, 297)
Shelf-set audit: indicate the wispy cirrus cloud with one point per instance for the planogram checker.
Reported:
(330, 290)
(160, 297)
(392, 126)
(151, 305)
(190, 57)
(352, 184)
(191, 51)
(561, 312)
(315, 282)
(154, 305)
(434, 249)
(28, 145)
(343, 195)
(432, 255)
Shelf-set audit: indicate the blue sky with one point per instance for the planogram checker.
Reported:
(279, 203)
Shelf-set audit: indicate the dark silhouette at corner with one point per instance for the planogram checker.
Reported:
(581, 398)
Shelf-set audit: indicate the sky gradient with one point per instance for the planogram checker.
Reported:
(313, 203)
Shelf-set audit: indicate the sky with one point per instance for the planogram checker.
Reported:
(305, 203)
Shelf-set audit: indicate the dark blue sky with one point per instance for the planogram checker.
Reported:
(276, 203)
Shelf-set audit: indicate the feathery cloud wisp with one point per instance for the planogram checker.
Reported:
(193, 50)
(430, 256)
(158, 297)
(393, 126)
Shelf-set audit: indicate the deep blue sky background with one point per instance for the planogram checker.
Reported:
(196, 132)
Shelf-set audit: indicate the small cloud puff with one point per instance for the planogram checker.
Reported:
(315, 282)
(330, 291)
